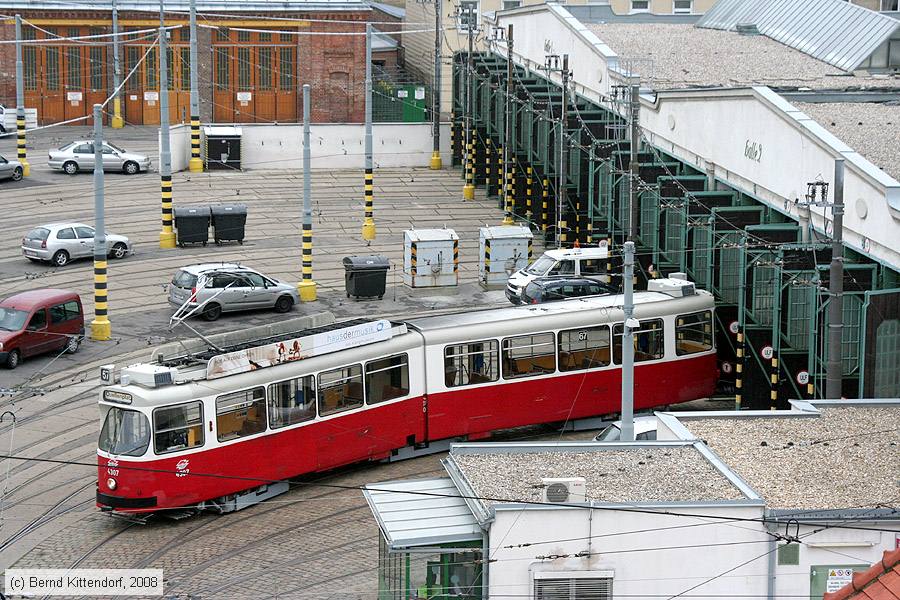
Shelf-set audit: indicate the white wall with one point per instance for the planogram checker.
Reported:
(337, 146)
(640, 570)
(179, 147)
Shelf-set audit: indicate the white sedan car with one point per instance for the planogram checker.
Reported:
(644, 430)
(59, 243)
(79, 156)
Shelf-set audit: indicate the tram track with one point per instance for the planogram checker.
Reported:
(47, 516)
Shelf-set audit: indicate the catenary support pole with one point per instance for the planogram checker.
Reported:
(368, 228)
(307, 287)
(507, 132)
(167, 235)
(469, 187)
(195, 165)
(21, 155)
(436, 94)
(561, 196)
(628, 347)
(634, 167)
(833, 370)
(117, 121)
(100, 326)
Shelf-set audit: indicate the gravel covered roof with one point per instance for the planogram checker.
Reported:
(870, 129)
(848, 457)
(641, 474)
(687, 56)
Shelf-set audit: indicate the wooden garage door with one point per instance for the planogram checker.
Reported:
(254, 75)
(141, 97)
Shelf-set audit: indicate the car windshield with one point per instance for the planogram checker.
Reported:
(114, 147)
(183, 279)
(125, 432)
(540, 266)
(610, 434)
(12, 319)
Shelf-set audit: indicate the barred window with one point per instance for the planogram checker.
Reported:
(243, 36)
(471, 363)
(243, 55)
(150, 70)
(223, 72)
(340, 390)
(265, 68)
(223, 34)
(178, 427)
(585, 348)
(286, 38)
(185, 68)
(170, 68)
(286, 68)
(387, 379)
(529, 355)
(29, 57)
(241, 414)
(132, 56)
(265, 36)
(73, 68)
(292, 401)
(97, 64)
(693, 333)
(185, 34)
(51, 57)
(649, 341)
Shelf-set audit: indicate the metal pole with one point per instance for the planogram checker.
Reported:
(307, 287)
(167, 235)
(635, 108)
(469, 187)
(436, 94)
(20, 102)
(628, 347)
(196, 163)
(117, 121)
(368, 228)
(100, 326)
(833, 370)
(507, 132)
(561, 183)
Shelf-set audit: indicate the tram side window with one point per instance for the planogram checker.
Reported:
(387, 379)
(241, 414)
(649, 341)
(693, 333)
(178, 427)
(340, 389)
(292, 401)
(472, 363)
(586, 348)
(529, 355)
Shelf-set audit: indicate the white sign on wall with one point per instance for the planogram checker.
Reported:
(244, 97)
(838, 578)
(74, 96)
(151, 96)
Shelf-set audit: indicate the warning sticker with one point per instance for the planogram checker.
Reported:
(838, 578)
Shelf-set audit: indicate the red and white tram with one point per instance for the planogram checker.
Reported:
(224, 429)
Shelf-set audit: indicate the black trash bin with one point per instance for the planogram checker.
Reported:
(192, 224)
(365, 275)
(228, 221)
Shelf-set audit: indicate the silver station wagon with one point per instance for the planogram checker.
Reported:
(227, 287)
(60, 243)
(79, 156)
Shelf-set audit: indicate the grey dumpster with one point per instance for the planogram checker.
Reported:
(228, 221)
(192, 224)
(365, 276)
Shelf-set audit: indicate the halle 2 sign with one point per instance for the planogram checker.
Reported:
(753, 150)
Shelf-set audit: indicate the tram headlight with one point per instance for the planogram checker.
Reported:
(111, 483)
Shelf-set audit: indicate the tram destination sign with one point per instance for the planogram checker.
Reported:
(285, 351)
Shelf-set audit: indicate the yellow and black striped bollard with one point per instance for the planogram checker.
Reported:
(545, 194)
(368, 228)
(487, 259)
(739, 371)
(167, 235)
(528, 189)
(773, 383)
(196, 163)
(469, 187)
(101, 329)
(21, 148)
(456, 259)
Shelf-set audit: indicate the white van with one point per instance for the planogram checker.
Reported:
(563, 262)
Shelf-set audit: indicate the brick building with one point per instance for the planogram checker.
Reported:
(254, 57)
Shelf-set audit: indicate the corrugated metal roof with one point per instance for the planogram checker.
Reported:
(836, 32)
(410, 516)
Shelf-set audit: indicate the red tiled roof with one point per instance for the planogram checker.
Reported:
(880, 582)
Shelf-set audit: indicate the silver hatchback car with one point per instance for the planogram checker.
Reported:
(226, 287)
(10, 169)
(60, 243)
(79, 156)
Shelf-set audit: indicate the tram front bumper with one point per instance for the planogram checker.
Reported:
(122, 503)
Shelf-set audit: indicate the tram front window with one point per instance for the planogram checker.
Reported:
(125, 432)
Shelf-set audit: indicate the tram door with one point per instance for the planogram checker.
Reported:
(254, 77)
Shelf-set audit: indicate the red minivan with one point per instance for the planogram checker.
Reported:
(39, 321)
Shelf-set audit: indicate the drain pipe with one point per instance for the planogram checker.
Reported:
(485, 557)
(771, 559)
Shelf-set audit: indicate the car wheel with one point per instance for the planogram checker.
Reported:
(61, 258)
(284, 304)
(119, 250)
(212, 312)
(70, 167)
(72, 344)
(131, 168)
(17, 174)
(12, 359)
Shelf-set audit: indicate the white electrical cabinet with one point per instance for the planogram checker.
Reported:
(502, 250)
(430, 258)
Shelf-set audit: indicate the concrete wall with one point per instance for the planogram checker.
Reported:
(334, 146)
(179, 147)
(639, 569)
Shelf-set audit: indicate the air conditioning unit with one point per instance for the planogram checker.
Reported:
(563, 490)
(150, 376)
(673, 286)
